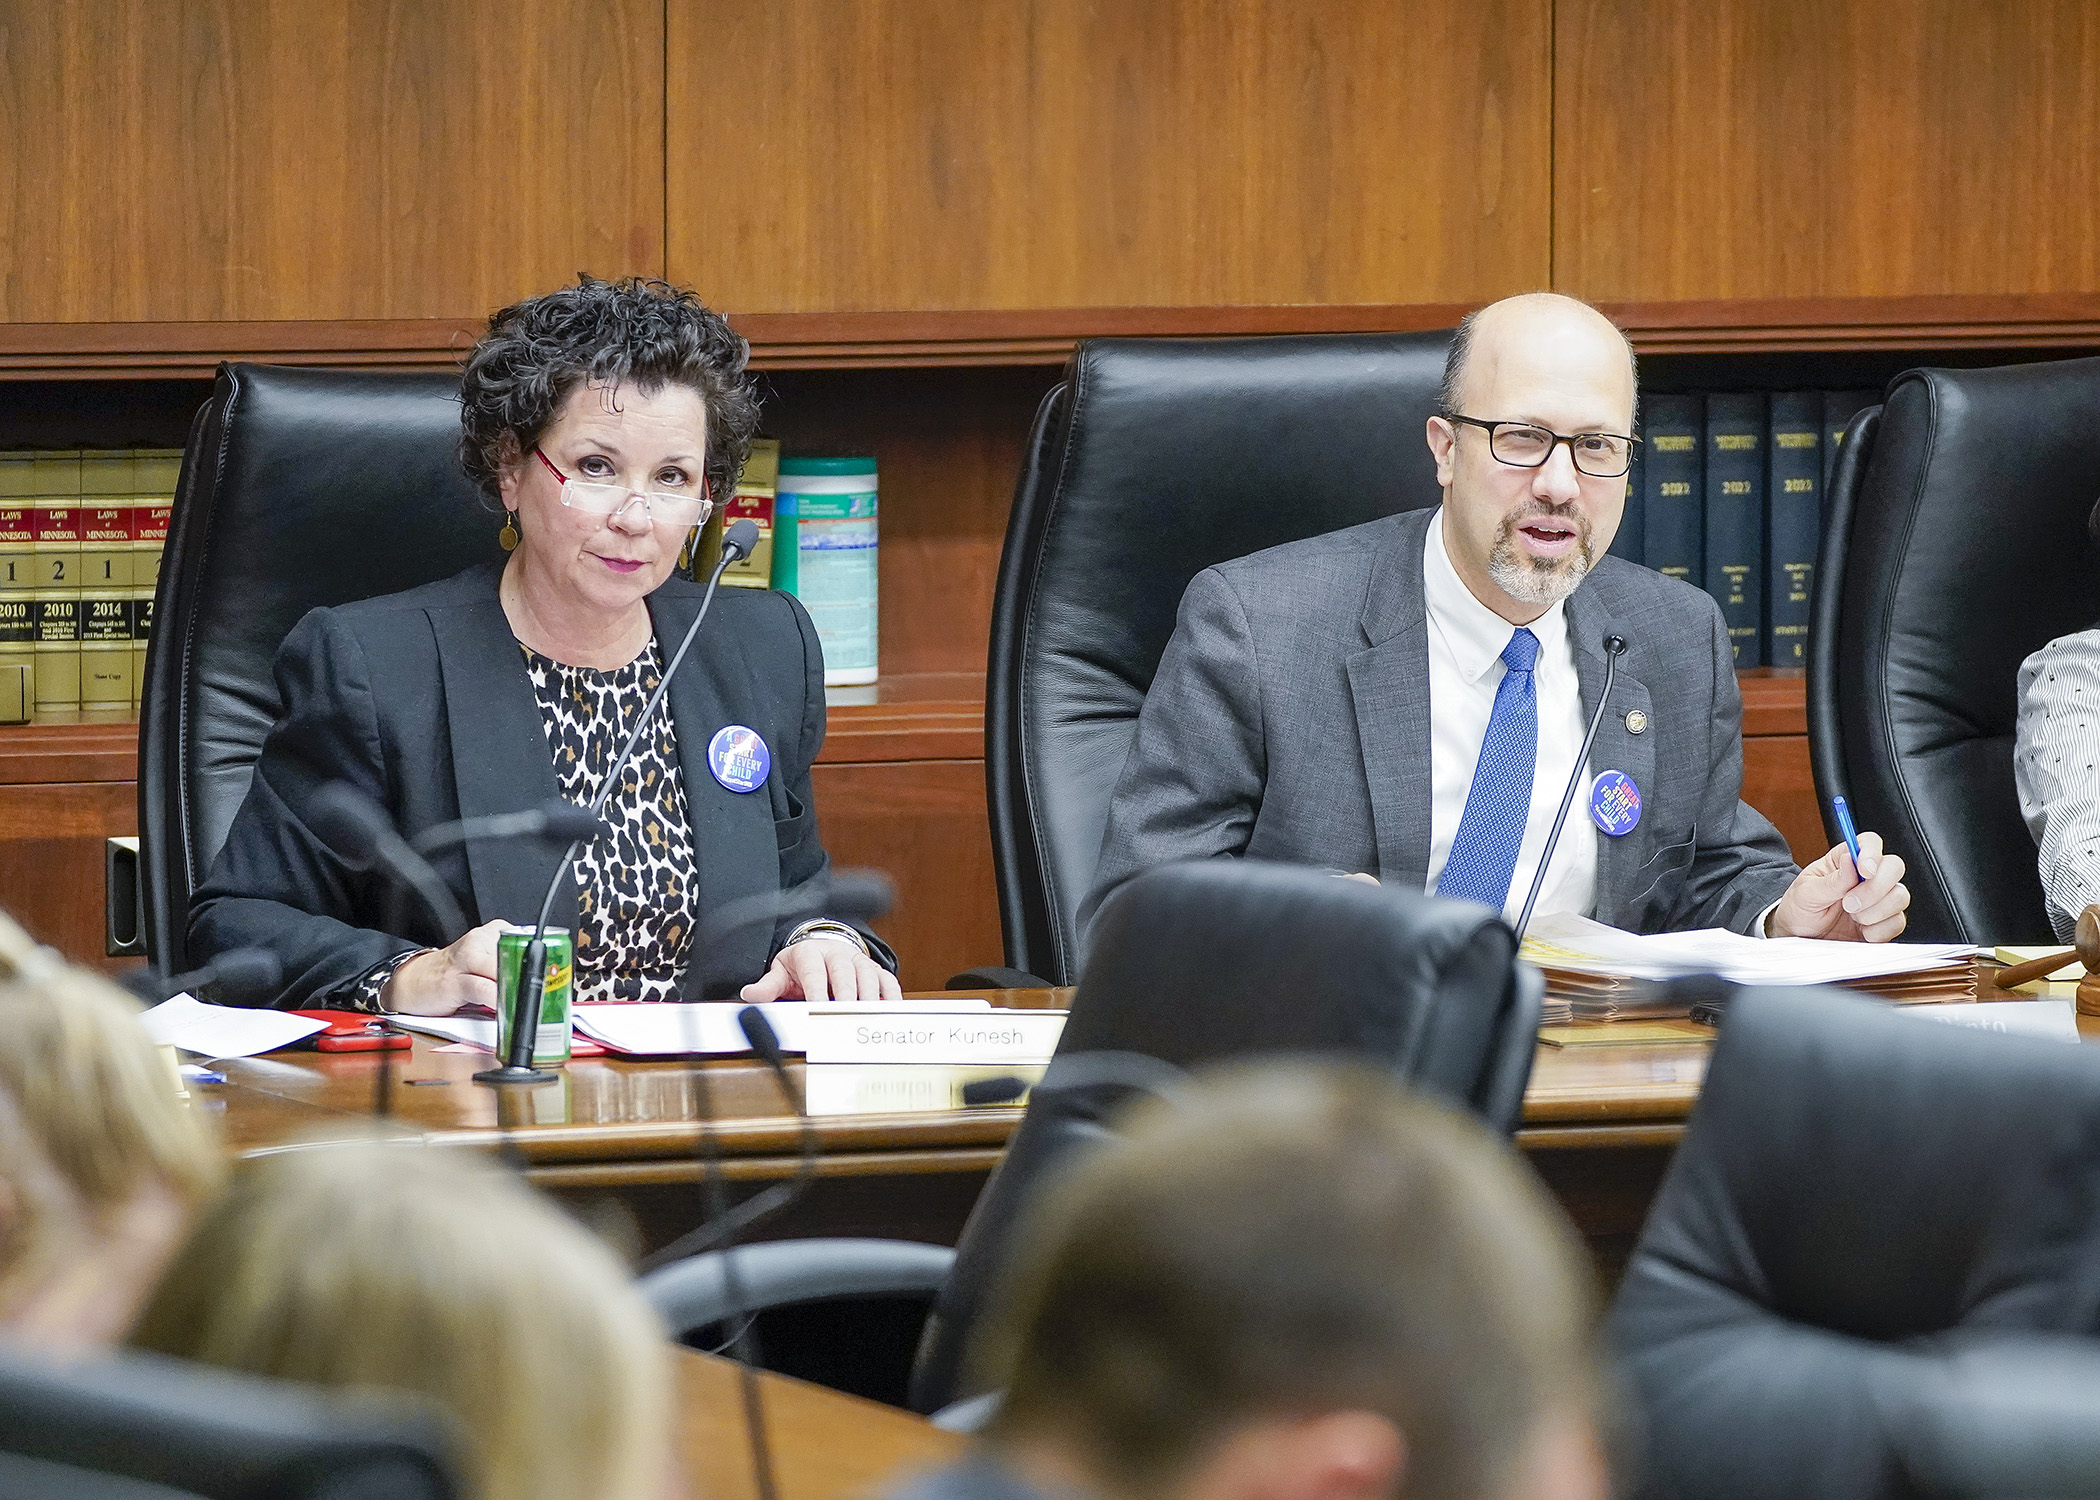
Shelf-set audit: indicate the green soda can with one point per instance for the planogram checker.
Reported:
(552, 1044)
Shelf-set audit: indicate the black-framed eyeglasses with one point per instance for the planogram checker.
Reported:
(1521, 445)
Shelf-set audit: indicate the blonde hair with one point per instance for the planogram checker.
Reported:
(1297, 1239)
(91, 1113)
(379, 1267)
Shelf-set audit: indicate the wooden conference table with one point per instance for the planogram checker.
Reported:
(825, 1446)
(1600, 1120)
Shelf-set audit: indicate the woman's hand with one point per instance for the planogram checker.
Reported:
(823, 968)
(440, 981)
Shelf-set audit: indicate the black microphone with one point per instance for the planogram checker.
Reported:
(860, 894)
(242, 974)
(1613, 645)
(1138, 1072)
(351, 824)
(852, 895)
(556, 818)
(737, 542)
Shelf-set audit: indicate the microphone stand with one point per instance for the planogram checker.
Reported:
(532, 983)
(864, 894)
(1613, 645)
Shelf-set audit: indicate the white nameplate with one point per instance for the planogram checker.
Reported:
(2054, 1019)
(849, 1034)
(892, 1088)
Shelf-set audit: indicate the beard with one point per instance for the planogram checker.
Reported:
(1539, 580)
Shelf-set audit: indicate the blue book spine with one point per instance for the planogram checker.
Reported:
(1794, 500)
(1735, 518)
(1673, 482)
(1839, 408)
(1631, 542)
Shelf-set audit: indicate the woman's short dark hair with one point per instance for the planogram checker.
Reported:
(635, 331)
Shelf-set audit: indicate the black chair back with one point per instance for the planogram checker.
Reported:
(1155, 459)
(299, 488)
(1956, 546)
(1857, 1188)
(211, 1433)
(1197, 963)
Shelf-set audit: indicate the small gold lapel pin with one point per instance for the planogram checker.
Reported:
(1636, 721)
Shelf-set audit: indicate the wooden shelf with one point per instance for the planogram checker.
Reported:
(912, 717)
(1775, 700)
(927, 716)
(1045, 336)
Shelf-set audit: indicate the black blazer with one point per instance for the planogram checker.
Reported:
(421, 701)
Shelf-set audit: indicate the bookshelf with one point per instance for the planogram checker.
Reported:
(944, 400)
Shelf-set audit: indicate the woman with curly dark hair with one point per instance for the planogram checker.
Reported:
(603, 419)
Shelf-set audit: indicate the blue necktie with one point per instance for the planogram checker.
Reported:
(1498, 804)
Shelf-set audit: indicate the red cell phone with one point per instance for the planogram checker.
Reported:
(353, 1031)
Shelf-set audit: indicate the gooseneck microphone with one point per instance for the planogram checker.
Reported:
(556, 818)
(857, 895)
(242, 974)
(351, 824)
(737, 543)
(1613, 645)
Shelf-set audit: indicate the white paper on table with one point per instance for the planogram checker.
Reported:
(2053, 1019)
(474, 1031)
(1562, 940)
(709, 1027)
(186, 1022)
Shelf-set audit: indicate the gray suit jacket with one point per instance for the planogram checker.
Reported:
(1289, 720)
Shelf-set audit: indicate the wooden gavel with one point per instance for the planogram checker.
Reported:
(2086, 936)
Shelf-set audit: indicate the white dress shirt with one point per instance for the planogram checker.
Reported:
(2054, 755)
(1466, 640)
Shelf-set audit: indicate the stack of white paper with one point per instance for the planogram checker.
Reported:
(1563, 940)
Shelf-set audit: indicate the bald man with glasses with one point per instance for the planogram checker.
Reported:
(1407, 699)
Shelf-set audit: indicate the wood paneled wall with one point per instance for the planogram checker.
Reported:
(935, 154)
(1800, 148)
(329, 159)
(203, 160)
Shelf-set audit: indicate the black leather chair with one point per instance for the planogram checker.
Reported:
(299, 488)
(1955, 546)
(1861, 1196)
(1155, 459)
(1193, 964)
(2009, 1418)
(176, 1429)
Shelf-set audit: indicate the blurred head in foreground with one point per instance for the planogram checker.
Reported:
(101, 1161)
(1301, 1283)
(397, 1268)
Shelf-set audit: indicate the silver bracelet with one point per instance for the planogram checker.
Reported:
(826, 927)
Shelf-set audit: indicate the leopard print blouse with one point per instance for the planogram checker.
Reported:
(634, 931)
(634, 928)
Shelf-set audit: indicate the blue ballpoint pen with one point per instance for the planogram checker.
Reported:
(1844, 817)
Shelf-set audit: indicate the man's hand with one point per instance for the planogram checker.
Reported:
(823, 968)
(439, 982)
(1830, 899)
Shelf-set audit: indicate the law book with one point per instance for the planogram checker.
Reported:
(753, 500)
(155, 473)
(106, 674)
(56, 540)
(1632, 541)
(1735, 518)
(1794, 506)
(1673, 476)
(1839, 408)
(149, 540)
(18, 569)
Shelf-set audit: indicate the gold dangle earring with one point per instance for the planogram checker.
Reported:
(508, 538)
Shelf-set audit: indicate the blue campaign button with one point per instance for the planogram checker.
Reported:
(739, 758)
(1615, 803)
